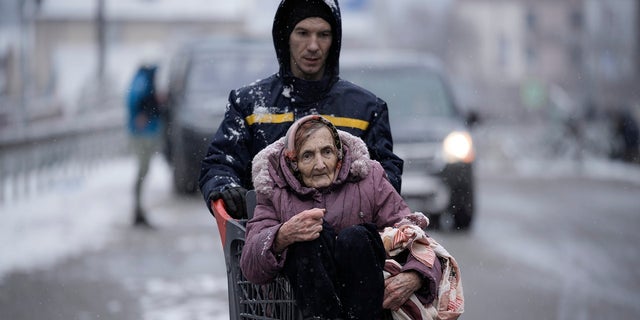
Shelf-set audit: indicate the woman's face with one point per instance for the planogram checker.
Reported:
(317, 159)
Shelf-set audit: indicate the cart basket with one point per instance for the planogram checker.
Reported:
(247, 300)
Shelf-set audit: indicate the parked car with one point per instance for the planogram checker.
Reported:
(430, 133)
(201, 75)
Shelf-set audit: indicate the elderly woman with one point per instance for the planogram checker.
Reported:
(321, 203)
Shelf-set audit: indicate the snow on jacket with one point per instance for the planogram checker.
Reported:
(359, 194)
(260, 113)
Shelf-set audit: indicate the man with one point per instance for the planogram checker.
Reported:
(307, 36)
(144, 126)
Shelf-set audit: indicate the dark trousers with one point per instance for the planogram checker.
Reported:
(338, 276)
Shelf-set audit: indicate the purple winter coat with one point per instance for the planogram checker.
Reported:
(360, 193)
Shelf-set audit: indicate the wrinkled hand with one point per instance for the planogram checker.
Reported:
(234, 201)
(304, 226)
(399, 288)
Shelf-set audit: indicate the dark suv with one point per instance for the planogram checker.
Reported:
(429, 132)
(201, 75)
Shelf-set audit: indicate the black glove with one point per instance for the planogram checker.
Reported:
(234, 201)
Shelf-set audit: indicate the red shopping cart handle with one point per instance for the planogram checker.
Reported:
(222, 217)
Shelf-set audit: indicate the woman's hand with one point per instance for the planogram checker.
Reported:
(304, 226)
(399, 288)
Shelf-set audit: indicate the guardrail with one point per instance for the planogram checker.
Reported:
(57, 156)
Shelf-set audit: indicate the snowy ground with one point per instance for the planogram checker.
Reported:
(78, 214)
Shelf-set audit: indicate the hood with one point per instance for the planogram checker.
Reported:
(281, 32)
(267, 170)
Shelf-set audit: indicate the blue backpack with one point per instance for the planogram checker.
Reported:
(142, 93)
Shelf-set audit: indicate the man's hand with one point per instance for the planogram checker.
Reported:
(304, 226)
(234, 201)
(399, 288)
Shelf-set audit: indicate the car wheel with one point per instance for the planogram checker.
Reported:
(462, 207)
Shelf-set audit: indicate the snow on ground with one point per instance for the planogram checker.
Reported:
(76, 216)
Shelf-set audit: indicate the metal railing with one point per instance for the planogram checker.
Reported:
(35, 165)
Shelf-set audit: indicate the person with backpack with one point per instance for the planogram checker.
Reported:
(144, 126)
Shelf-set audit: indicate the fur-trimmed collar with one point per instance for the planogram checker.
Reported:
(357, 158)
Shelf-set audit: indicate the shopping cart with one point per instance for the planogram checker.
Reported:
(246, 300)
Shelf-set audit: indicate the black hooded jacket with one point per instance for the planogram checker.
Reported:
(260, 113)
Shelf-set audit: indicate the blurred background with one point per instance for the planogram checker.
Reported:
(552, 85)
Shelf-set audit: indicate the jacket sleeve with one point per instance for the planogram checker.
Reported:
(258, 262)
(389, 207)
(228, 159)
(380, 143)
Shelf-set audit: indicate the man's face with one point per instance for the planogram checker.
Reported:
(309, 45)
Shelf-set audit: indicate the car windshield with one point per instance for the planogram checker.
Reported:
(411, 93)
(215, 74)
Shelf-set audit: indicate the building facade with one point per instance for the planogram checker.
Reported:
(521, 51)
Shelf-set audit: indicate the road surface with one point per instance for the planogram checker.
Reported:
(548, 246)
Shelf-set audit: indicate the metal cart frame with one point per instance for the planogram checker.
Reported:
(247, 300)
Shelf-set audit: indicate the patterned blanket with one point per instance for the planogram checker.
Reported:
(449, 303)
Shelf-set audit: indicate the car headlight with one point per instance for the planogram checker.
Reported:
(458, 147)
